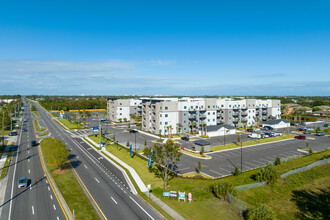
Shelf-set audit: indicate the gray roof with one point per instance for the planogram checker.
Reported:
(202, 142)
(276, 121)
(211, 128)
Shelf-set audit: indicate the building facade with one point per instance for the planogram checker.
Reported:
(121, 109)
(181, 115)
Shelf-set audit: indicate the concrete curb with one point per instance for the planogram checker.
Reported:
(57, 191)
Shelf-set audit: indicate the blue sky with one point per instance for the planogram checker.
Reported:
(165, 47)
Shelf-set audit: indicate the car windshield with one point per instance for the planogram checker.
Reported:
(22, 180)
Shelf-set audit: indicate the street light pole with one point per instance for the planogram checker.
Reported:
(224, 136)
(241, 157)
(135, 142)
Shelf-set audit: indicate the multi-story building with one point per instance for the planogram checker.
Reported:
(123, 108)
(180, 115)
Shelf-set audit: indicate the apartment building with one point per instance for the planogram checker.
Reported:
(123, 108)
(181, 115)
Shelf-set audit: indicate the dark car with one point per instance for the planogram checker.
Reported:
(185, 138)
(326, 125)
(251, 130)
(267, 128)
(24, 130)
(300, 129)
(307, 131)
(270, 134)
(133, 131)
(293, 124)
(319, 134)
(303, 137)
(34, 143)
(13, 133)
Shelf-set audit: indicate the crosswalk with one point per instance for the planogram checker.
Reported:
(81, 132)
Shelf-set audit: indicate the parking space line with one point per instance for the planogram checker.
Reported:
(97, 180)
(216, 172)
(113, 200)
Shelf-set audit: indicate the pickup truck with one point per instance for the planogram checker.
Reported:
(254, 135)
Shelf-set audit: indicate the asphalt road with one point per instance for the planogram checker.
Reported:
(104, 182)
(37, 201)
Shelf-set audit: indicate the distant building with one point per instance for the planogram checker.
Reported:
(8, 100)
(123, 109)
(277, 123)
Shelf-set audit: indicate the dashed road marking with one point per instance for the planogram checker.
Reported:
(32, 210)
(51, 197)
(48, 188)
(85, 166)
(54, 207)
(113, 200)
(97, 180)
(29, 170)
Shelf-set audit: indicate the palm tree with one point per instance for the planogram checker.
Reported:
(177, 128)
(170, 134)
(238, 121)
(192, 126)
(201, 127)
(205, 131)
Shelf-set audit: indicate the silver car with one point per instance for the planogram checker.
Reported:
(22, 182)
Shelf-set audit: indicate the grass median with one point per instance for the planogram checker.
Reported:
(5, 166)
(72, 125)
(36, 113)
(69, 187)
(37, 126)
(252, 142)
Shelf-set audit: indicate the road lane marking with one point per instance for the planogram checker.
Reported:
(47, 181)
(32, 210)
(216, 172)
(141, 208)
(97, 180)
(54, 207)
(48, 188)
(78, 157)
(28, 151)
(113, 200)
(51, 197)
(57, 218)
(28, 160)
(29, 170)
(85, 166)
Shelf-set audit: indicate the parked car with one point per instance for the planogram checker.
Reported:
(293, 124)
(251, 130)
(326, 125)
(264, 135)
(267, 128)
(278, 134)
(270, 134)
(22, 182)
(300, 129)
(34, 143)
(185, 138)
(303, 137)
(254, 135)
(13, 133)
(24, 130)
(133, 131)
(319, 134)
(307, 131)
(303, 123)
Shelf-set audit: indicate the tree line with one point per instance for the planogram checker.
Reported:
(69, 103)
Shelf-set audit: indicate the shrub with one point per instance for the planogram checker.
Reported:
(277, 161)
(268, 173)
(261, 212)
(310, 152)
(220, 189)
(236, 171)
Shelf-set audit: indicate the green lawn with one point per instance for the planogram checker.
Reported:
(37, 127)
(5, 167)
(36, 113)
(72, 125)
(204, 205)
(71, 190)
(300, 196)
(252, 142)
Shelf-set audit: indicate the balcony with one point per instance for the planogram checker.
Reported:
(244, 119)
(244, 108)
(264, 112)
(202, 110)
(202, 116)
(264, 118)
(235, 120)
(191, 110)
(192, 116)
(235, 114)
(244, 113)
(264, 107)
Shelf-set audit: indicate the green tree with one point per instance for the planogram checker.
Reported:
(145, 142)
(199, 166)
(165, 156)
(127, 144)
(277, 161)
(57, 152)
(236, 171)
(268, 173)
(221, 188)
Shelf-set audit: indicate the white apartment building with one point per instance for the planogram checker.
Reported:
(180, 115)
(123, 109)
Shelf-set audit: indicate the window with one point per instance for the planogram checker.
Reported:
(120, 109)
(229, 106)
(185, 114)
(229, 118)
(185, 107)
(196, 107)
(213, 119)
(184, 121)
(208, 106)
(229, 112)
(119, 113)
(166, 123)
(160, 107)
(249, 117)
(221, 106)
(160, 115)
(165, 130)
(213, 113)
(208, 120)
(202, 107)
(249, 111)
(185, 129)
(166, 115)
(208, 113)
(249, 105)
(160, 123)
(239, 105)
(166, 108)
(120, 104)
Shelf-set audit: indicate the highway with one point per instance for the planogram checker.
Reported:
(105, 183)
(38, 200)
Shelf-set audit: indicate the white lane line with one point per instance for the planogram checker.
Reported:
(97, 180)
(85, 166)
(216, 172)
(113, 200)
(54, 207)
(29, 170)
(30, 186)
(48, 188)
(57, 218)
(141, 208)
(28, 151)
(51, 197)
(28, 160)
(32, 210)
(78, 157)
(46, 181)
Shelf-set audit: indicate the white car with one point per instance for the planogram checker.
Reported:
(277, 134)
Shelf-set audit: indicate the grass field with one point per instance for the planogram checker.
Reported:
(252, 142)
(71, 125)
(36, 113)
(70, 189)
(37, 127)
(300, 196)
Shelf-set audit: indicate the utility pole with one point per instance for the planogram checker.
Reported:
(100, 127)
(135, 142)
(3, 125)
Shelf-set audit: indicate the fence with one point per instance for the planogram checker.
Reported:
(236, 202)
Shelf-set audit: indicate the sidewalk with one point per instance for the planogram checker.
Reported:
(141, 185)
